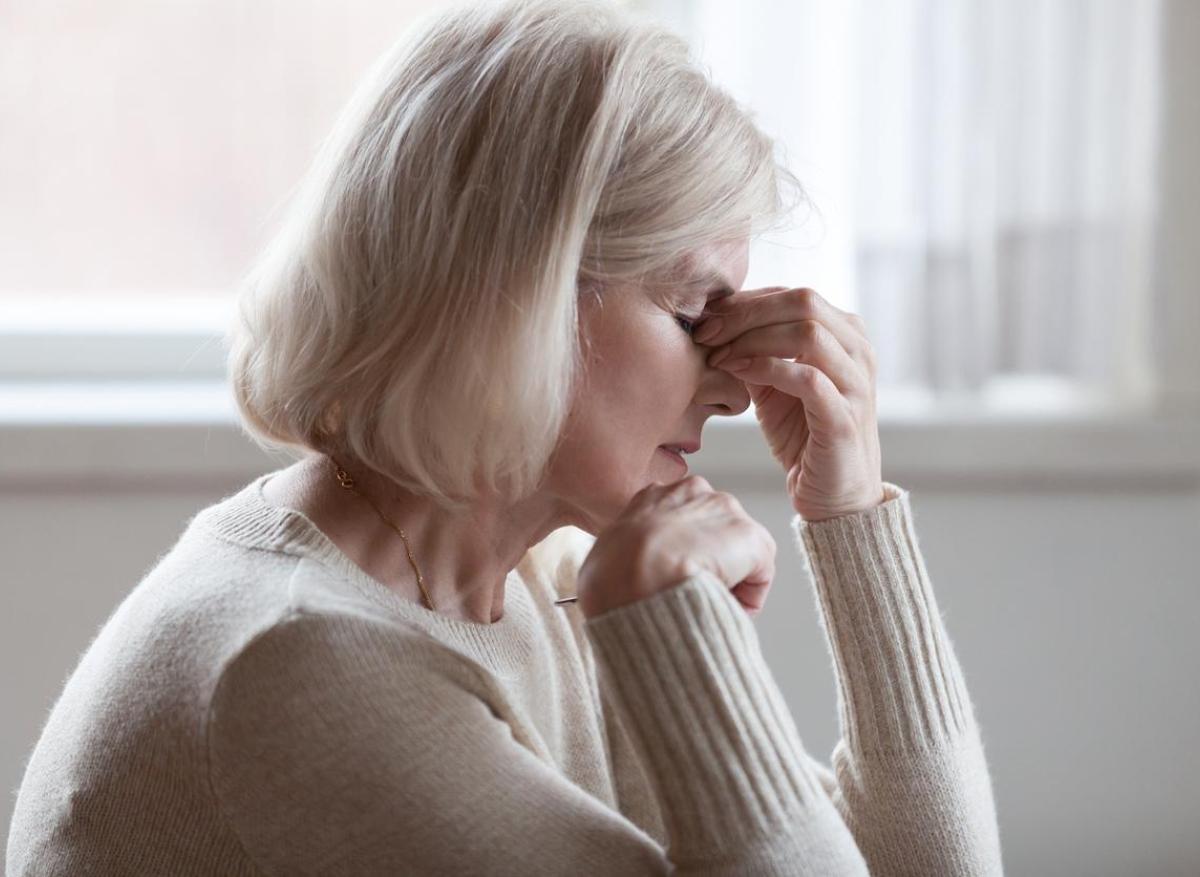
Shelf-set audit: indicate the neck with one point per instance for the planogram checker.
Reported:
(464, 557)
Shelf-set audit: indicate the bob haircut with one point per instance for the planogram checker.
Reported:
(417, 312)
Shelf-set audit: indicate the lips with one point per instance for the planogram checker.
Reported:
(674, 455)
(685, 447)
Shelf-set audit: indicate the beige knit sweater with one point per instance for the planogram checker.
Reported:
(259, 705)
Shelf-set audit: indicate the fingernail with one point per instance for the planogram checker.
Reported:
(738, 364)
(711, 327)
(716, 358)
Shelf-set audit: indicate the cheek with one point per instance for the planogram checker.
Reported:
(641, 376)
(648, 385)
(670, 373)
(600, 468)
(634, 397)
(621, 417)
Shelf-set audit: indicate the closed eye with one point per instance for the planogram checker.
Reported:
(688, 323)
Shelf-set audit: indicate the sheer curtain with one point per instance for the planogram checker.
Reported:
(982, 178)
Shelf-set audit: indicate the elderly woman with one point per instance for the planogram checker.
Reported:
(487, 622)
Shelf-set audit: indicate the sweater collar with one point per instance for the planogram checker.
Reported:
(246, 518)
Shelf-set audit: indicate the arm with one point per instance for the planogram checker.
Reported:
(712, 732)
(910, 778)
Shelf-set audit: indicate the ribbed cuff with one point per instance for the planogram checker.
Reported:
(711, 727)
(900, 687)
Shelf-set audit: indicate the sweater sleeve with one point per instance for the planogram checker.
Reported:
(720, 749)
(910, 778)
(911, 793)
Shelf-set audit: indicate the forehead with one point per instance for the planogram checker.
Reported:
(718, 268)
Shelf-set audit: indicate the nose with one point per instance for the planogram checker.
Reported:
(723, 391)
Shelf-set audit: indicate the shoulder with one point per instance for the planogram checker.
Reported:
(306, 651)
(323, 720)
(314, 682)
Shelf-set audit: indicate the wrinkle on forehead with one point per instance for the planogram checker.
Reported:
(700, 276)
(699, 271)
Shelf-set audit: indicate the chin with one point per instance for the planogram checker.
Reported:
(602, 499)
(606, 502)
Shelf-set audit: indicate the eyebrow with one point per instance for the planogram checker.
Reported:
(722, 287)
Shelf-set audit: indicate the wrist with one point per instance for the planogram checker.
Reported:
(814, 514)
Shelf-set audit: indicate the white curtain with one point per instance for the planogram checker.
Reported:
(983, 178)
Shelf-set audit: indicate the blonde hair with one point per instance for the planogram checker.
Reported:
(418, 310)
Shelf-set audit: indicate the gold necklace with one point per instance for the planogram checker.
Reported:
(347, 481)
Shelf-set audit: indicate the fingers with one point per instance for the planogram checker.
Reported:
(763, 573)
(807, 341)
(759, 542)
(776, 305)
(752, 596)
(669, 494)
(825, 408)
(748, 559)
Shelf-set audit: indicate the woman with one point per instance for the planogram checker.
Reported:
(505, 296)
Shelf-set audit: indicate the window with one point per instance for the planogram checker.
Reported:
(984, 181)
(983, 178)
(150, 146)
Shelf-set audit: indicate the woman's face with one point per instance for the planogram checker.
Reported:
(646, 385)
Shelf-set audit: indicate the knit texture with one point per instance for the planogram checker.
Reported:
(258, 705)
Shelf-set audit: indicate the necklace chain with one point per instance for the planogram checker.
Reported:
(346, 480)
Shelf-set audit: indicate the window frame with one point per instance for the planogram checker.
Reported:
(132, 367)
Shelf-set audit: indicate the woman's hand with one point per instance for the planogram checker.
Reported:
(668, 532)
(811, 373)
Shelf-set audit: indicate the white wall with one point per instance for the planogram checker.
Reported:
(1071, 603)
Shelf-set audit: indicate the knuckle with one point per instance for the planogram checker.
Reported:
(866, 355)
(688, 487)
(810, 376)
(861, 388)
(872, 361)
(651, 488)
(728, 501)
(807, 300)
(768, 539)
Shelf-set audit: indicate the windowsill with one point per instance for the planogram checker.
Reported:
(163, 435)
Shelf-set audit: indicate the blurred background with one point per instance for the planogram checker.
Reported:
(1006, 190)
